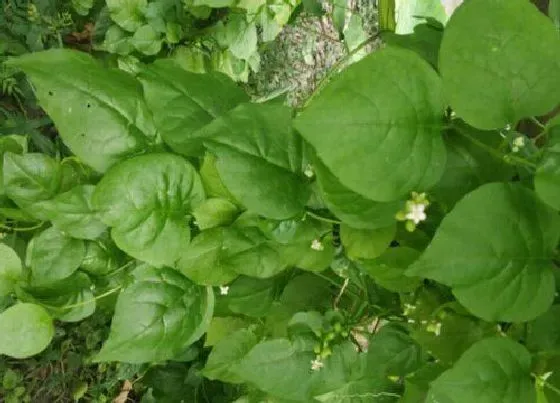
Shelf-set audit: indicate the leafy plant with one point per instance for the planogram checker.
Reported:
(203, 35)
(395, 239)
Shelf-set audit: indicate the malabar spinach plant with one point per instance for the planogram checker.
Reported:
(395, 239)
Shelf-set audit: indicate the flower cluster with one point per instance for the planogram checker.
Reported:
(414, 212)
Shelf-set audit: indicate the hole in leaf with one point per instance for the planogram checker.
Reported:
(88, 105)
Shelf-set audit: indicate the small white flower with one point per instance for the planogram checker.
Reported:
(224, 289)
(416, 213)
(434, 328)
(519, 141)
(308, 171)
(317, 245)
(317, 364)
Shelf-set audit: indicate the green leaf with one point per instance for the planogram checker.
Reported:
(10, 270)
(249, 296)
(495, 249)
(257, 151)
(393, 352)
(425, 41)
(183, 102)
(146, 200)
(146, 40)
(388, 269)
(313, 7)
(554, 12)
(451, 335)
(222, 327)
(117, 41)
(54, 256)
(345, 378)
(69, 300)
(390, 108)
(31, 178)
(227, 354)
(213, 3)
(13, 144)
(127, 13)
(219, 255)
(99, 112)
(543, 333)
(206, 260)
(215, 212)
(277, 368)
(241, 36)
(469, 165)
(410, 13)
(157, 317)
(366, 243)
(547, 177)
(73, 214)
(493, 370)
(339, 14)
(509, 78)
(101, 258)
(352, 208)
(24, 338)
(416, 386)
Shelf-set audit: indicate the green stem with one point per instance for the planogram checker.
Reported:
(546, 384)
(537, 122)
(321, 218)
(21, 229)
(336, 66)
(510, 159)
(89, 301)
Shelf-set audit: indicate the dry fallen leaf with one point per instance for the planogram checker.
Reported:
(125, 390)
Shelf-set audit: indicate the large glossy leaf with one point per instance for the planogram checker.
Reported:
(25, 330)
(469, 165)
(352, 208)
(377, 125)
(10, 269)
(157, 317)
(72, 213)
(388, 270)
(345, 378)
(510, 75)
(102, 257)
(249, 296)
(494, 249)
(493, 370)
(425, 41)
(183, 102)
(146, 200)
(259, 158)
(547, 177)
(543, 333)
(366, 243)
(227, 353)
(277, 368)
(127, 13)
(393, 352)
(218, 255)
(53, 256)
(451, 335)
(99, 112)
(13, 144)
(31, 178)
